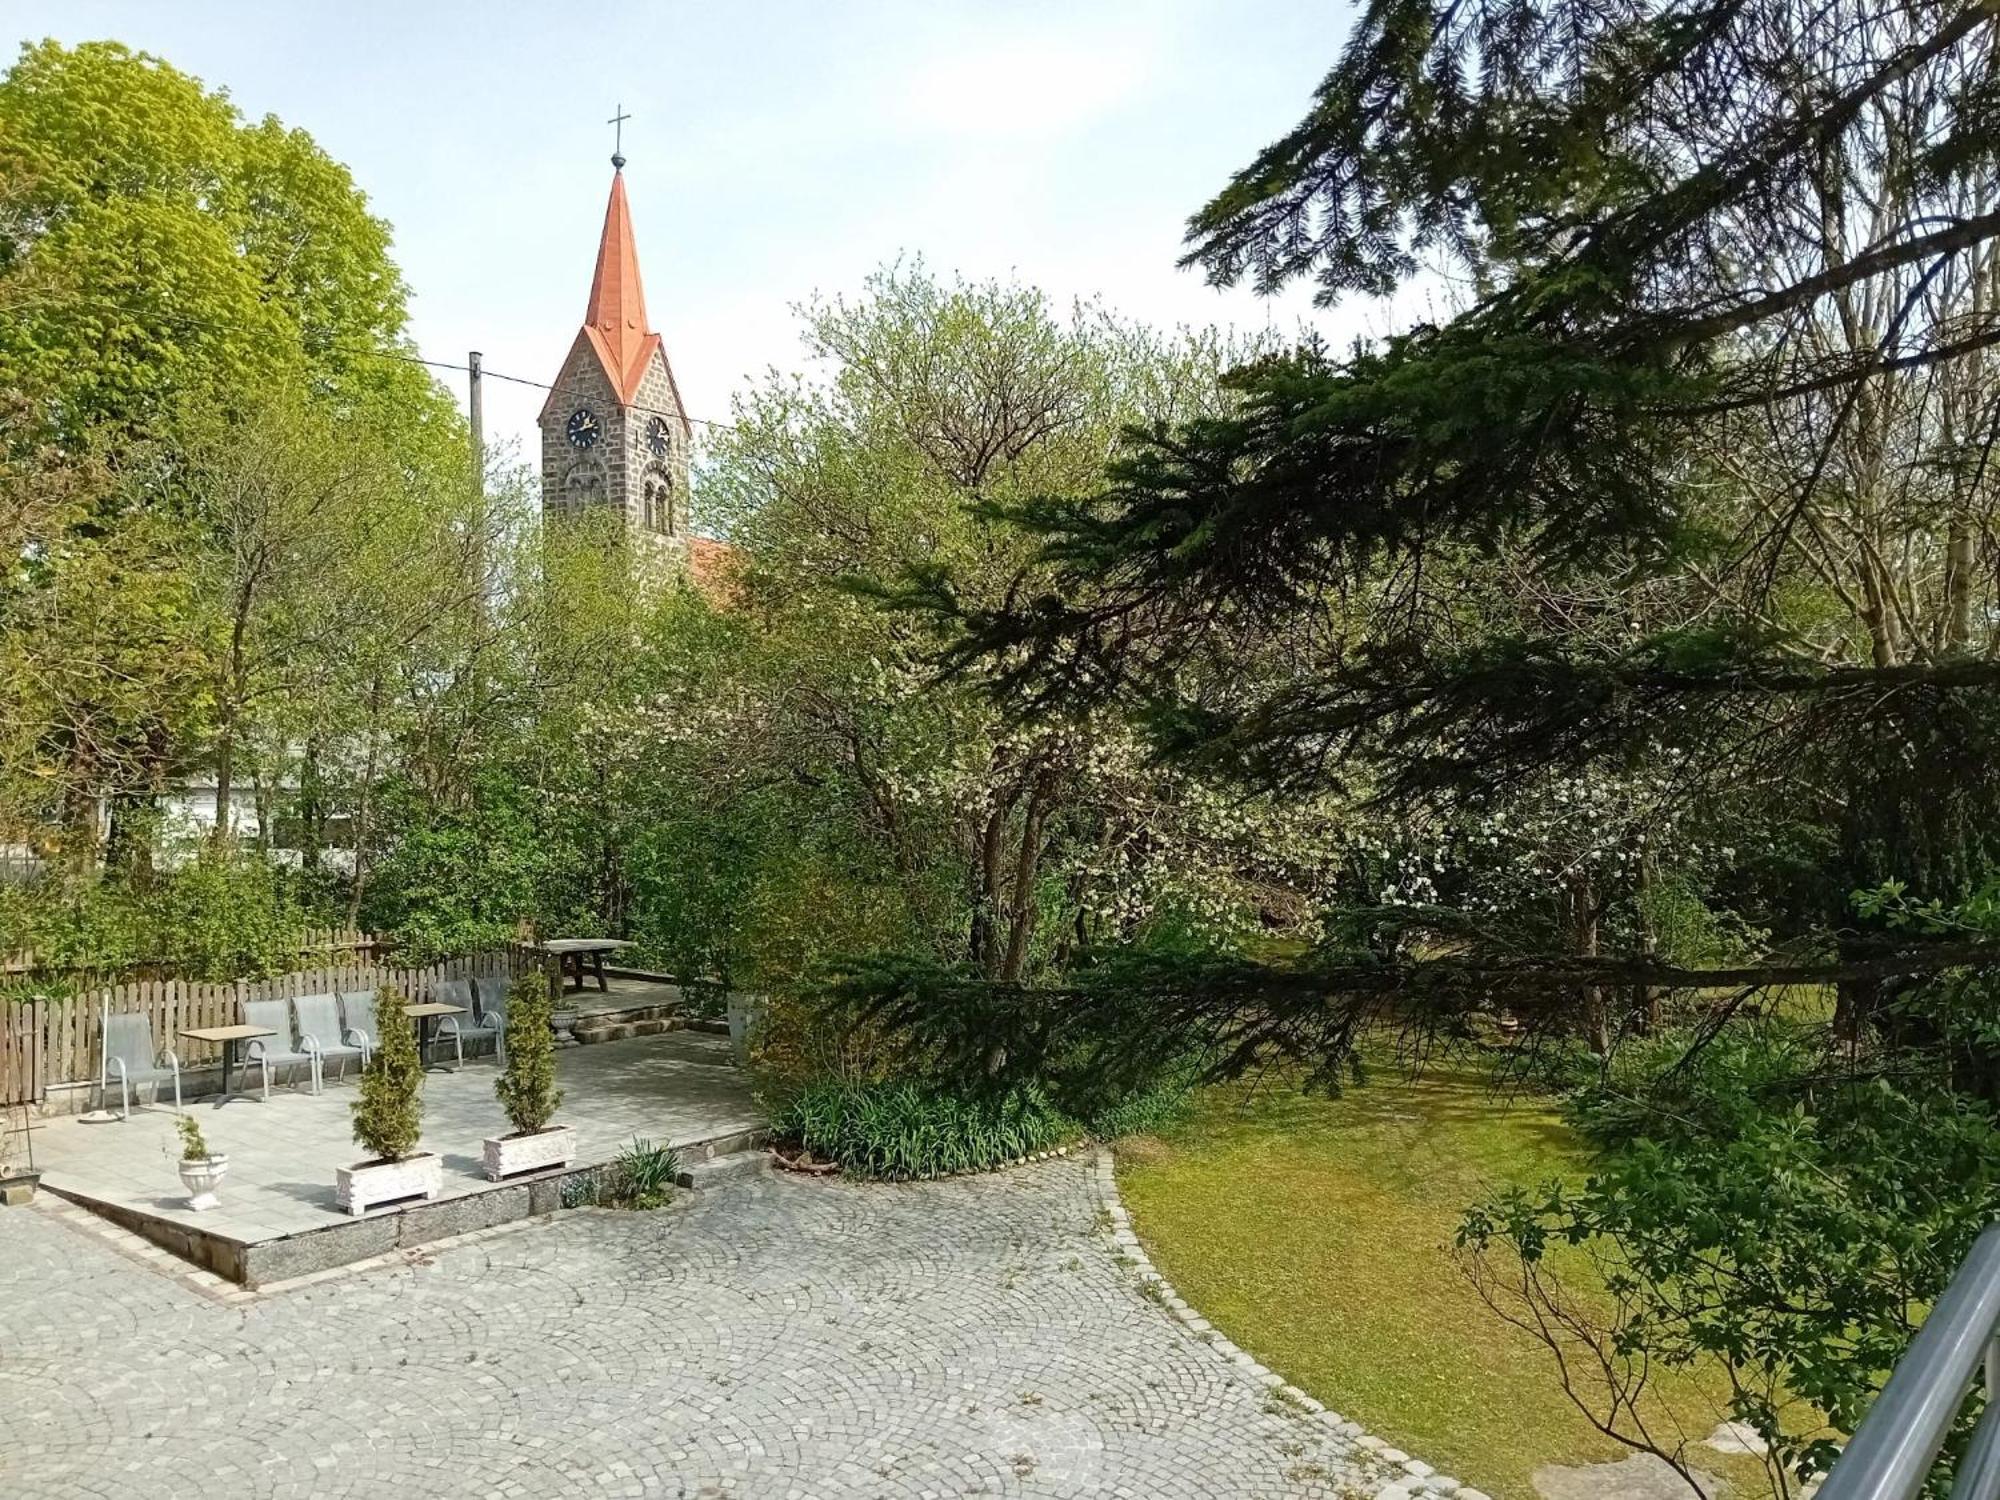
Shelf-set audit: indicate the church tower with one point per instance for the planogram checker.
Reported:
(614, 432)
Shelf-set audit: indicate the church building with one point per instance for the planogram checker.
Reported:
(615, 434)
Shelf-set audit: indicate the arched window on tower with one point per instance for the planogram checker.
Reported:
(659, 501)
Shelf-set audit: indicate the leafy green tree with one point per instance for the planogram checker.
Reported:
(244, 522)
(218, 915)
(1752, 1212)
(453, 881)
(183, 257)
(939, 410)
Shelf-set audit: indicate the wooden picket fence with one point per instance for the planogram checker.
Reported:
(56, 1042)
(20, 1053)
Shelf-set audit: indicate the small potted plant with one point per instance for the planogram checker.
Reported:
(201, 1169)
(527, 1089)
(17, 1182)
(388, 1119)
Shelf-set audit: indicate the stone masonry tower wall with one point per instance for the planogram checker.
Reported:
(617, 372)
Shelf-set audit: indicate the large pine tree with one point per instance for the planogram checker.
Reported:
(1694, 485)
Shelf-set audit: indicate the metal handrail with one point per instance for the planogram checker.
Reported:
(1893, 1449)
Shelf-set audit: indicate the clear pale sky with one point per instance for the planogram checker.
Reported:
(775, 150)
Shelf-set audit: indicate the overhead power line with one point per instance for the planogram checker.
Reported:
(540, 385)
(355, 349)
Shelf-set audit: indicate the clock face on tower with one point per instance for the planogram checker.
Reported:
(656, 437)
(583, 429)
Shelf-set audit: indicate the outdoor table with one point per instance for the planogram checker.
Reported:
(572, 952)
(427, 1017)
(231, 1039)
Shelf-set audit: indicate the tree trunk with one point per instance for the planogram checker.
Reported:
(1582, 904)
(225, 775)
(228, 698)
(988, 875)
(986, 912)
(78, 852)
(1958, 587)
(363, 801)
(1855, 1002)
(1877, 618)
(312, 811)
(1023, 908)
(1650, 996)
(263, 800)
(1077, 933)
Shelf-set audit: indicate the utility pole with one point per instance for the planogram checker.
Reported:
(478, 406)
(476, 409)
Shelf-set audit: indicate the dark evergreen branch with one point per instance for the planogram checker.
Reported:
(1120, 1023)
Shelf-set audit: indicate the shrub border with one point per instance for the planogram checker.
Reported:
(834, 1169)
(1417, 1477)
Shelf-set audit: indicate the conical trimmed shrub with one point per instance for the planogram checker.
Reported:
(389, 1115)
(527, 1086)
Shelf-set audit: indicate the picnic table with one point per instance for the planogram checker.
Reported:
(572, 953)
(231, 1040)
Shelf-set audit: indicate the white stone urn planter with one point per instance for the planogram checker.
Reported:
(744, 1012)
(201, 1177)
(535, 1151)
(373, 1183)
(17, 1186)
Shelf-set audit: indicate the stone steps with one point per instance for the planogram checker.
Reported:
(618, 1025)
(722, 1171)
(726, 1160)
(618, 1031)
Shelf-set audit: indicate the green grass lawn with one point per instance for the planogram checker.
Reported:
(1317, 1234)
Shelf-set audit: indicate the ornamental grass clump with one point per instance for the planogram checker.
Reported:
(902, 1130)
(388, 1117)
(641, 1177)
(527, 1086)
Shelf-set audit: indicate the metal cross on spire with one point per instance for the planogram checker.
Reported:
(618, 140)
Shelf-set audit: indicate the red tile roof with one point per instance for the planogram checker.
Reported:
(712, 568)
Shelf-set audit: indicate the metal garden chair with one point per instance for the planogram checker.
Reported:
(130, 1054)
(280, 1049)
(321, 1034)
(357, 1009)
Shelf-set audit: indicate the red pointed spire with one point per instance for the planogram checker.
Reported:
(616, 317)
(615, 324)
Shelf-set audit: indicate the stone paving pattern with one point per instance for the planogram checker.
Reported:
(780, 1338)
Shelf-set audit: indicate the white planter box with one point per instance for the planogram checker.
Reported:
(361, 1188)
(511, 1155)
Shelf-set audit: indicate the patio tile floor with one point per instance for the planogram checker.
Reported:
(680, 1088)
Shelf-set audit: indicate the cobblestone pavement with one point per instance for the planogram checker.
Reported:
(777, 1338)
